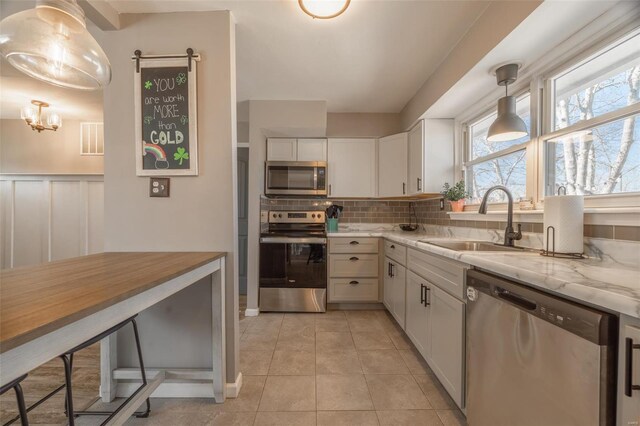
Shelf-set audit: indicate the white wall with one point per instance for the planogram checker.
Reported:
(45, 218)
(23, 150)
(201, 214)
(360, 125)
(273, 118)
(497, 21)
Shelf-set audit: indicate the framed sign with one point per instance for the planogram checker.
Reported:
(166, 116)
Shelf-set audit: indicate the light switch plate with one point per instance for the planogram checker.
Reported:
(159, 187)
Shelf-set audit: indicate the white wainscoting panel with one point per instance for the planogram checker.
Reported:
(50, 217)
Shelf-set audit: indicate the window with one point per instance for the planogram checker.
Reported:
(91, 139)
(497, 163)
(595, 149)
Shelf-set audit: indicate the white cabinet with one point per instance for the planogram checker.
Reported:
(312, 150)
(353, 270)
(392, 165)
(291, 149)
(351, 168)
(417, 314)
(430, 147)
(628, 399)
(446, 357)
(281, 149)
(395, 290)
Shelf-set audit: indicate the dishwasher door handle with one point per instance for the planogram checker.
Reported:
(516, 299)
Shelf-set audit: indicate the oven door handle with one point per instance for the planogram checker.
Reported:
(288, 240)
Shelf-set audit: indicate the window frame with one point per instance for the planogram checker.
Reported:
(539, 84)
(526, 146)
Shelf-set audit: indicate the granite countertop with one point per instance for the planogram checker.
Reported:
(599, 282)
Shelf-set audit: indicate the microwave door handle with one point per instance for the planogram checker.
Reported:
(315, 178)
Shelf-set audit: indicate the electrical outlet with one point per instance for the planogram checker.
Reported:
(159, 187)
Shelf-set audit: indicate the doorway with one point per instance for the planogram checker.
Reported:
(243, 223)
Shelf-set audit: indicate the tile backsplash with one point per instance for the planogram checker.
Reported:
(427, 212)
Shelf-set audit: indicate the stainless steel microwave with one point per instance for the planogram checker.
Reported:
(296, 178)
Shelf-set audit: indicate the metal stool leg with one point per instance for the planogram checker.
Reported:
(142, 372)
(69, 394)
(22, 409)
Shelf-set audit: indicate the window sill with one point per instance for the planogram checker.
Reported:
(621, 216)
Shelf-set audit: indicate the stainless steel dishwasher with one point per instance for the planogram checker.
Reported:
(536, 359)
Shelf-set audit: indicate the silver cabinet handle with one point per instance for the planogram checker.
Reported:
(354, 258)
(419, 184)
(354, 282)
(354, 243)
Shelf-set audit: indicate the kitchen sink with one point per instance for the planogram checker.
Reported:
(475, 246)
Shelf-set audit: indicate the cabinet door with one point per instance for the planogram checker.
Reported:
(416, 158)
(447, 336)
(437, 154)
(352, 168)
(628, 406)
(417, 314)
(312, 150)
(399, 274)
(281, 149)
(387, 296)
(392, 165)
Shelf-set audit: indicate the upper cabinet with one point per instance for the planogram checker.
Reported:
(312, 150)
(351, 168)
(430, 156)
(392, 165)
(291, 149)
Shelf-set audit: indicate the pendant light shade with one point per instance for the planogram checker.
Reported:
(508, 125)
(51, 43)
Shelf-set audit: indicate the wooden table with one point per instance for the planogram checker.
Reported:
(50, 308)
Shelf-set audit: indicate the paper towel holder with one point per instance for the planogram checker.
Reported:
(552, 253)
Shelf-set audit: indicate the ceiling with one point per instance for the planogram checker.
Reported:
(373, 58)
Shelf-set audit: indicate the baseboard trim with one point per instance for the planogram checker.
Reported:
(355, 306)
(233, 389)
(251, 312)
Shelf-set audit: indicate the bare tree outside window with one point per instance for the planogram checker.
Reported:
(606, 158)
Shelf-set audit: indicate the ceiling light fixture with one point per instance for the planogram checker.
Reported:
(51, 43)
(34, 117)
(508, 125)
(324, 9)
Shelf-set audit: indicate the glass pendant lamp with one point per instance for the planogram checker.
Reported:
(51, 43)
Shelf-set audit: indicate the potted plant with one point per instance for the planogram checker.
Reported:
(455, 195)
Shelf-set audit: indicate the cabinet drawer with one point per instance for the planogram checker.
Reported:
(353, 290)
(396, 252)
(353, 245)
(447, 274)
(353, 265)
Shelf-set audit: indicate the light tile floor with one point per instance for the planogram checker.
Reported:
(339, 368)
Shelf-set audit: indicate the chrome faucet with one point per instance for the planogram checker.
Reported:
(509, 235)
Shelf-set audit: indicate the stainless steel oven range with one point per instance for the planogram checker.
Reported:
(293, 262)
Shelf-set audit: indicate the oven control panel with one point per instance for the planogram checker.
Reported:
(296, 216)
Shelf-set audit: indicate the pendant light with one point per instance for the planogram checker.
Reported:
(508, 125)
(324, 9)
(51, 43)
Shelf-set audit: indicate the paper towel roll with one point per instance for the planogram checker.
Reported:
(566, 214)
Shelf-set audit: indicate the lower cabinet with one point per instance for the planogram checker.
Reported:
(395, 290)
(629, 371)
(447, 340)
(418, 322)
